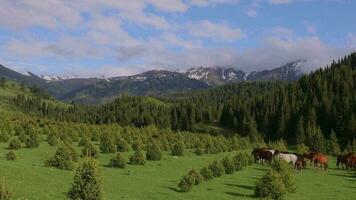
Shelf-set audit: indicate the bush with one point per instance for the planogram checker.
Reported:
(90, 150)
(137, 158)
(118, 161)
(52, 139)
(217, 169)
(5, 191)
(228, 165)
(177, 149)
(107, 143)
(286, 173)
(153, 152)
(197, 177)
(198, 152)
(241, 160)
(33, 141)
(23, 137)
(122, 146)
(15, 144)
(83, 141)
(87, 182)
(302, 148)
(64, 158)
(137, 145)
(270, 186)
(11, 155)
(206, 173)
(4, 137)
(186, 183)
(211, 149)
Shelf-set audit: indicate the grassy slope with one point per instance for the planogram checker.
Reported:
(158, 180)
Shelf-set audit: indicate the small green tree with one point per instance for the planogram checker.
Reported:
(217, 169)
(83, 141)
(118, 161)
(186, 183)
(177, 149)
(137, 145)
(90, 150)
(122, 146)
(6, 192)
(206, 173)
(153, 152)
(137, 158)
(270, 186)
(64, 158)
(4, 137)
(198, 152)
(228, 165)
(52, 139)
(286, 174)
(87, 183)
(197, 177)
(15, 144)
(107, 143)
(333, 147)
(33, 141)
(11, 155)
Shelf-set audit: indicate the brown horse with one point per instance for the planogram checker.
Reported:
(309, 156)
(342, 159)
(351, 161)
(320, 159)
(262, 155)
(299, 164)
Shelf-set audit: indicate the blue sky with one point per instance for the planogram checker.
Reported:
(119, 37)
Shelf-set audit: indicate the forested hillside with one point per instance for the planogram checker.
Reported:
(301, 112)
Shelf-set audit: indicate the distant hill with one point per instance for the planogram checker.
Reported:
(154, 83)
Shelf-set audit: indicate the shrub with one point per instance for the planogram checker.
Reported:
(186, 183)
(23, 137)
(83, 141)
(107, 143)
(137, 145)
(270, 186)
(122, 146)
(211, 149)
(228, 165)
(118, 161)
(11, 155)
(153, 152)
(33, 141)
(206, 173)
(4, 137)
(90, 150)
(217, 169)
(197, 177)
(52, 139)
(177, 149)
(241, 160)
(137, 158)
(15, 144)
(198, 152)
(87, 182)
(64, 158)
(5, 191)
(286, 173)
(302, 148)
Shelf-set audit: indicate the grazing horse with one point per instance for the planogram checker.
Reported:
(351, 161)
(262, 155)
(320, 159)
(299, 164)
(343, 159)
(309, 156)
(288, 157)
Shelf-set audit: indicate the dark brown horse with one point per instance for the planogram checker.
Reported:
(342, 159)
(310, 156)
(320, 159)
(262, 155)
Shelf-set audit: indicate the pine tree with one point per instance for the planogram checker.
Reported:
(333, 144)
(87, 183)
(107, 143)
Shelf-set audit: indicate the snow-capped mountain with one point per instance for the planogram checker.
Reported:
(222, 75)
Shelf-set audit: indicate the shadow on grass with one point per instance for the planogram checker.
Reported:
(260, 169)
(247, 187)
(175, 189)
(236, 194)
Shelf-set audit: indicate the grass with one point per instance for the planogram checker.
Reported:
(158, 179)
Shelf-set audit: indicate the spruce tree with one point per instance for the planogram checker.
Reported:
(87, 183)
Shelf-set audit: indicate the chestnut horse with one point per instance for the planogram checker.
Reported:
(351, 161)
(320, 159)
(309, 156)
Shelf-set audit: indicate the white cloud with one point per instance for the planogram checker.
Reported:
(251, 13)
(208, 29)
(280, 1)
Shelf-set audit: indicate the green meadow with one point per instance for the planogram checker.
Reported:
(156, 180)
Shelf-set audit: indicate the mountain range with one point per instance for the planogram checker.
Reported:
(154, 82)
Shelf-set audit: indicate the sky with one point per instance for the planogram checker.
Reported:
(91, 38)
